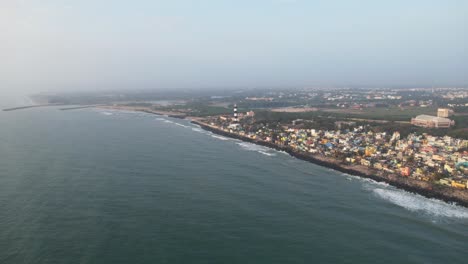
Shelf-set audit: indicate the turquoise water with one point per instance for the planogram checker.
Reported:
(91, 186)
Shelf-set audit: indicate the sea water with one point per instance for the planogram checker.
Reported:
(94, 186)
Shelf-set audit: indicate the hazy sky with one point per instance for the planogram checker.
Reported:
(103, 44)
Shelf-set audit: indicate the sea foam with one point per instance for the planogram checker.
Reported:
(178, 124)
(253, 147)
(418, 203)
(219, 137)
(266, 153)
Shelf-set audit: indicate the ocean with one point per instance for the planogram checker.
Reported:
(98, 186)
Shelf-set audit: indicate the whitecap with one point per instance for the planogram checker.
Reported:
(260, 149)
(219, 137)
(178, 124)
(369, 184)
(420, 204)
(266, 153)
(252, 147)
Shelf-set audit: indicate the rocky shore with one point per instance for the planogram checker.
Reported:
(423, 188)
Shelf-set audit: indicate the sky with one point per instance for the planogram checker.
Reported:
(86, 45)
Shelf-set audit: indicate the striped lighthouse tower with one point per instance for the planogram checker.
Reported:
(236, 117)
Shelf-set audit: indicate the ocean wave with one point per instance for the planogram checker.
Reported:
(369, 184)
(172, 122)
(260, 149)
(201, 131)
(252, 147)
(219, 137)
(159, 119)
(266, 153)
(106, 113)
(178, 124)
(420, 204)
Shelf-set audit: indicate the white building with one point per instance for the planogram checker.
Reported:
(432, 121)
(443, 112)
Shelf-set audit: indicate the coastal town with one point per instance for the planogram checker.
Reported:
(412, 138)
(436, 160)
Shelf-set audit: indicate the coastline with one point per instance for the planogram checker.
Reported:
(426, 189)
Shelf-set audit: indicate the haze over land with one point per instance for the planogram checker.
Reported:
(216, 131)
(58, 45)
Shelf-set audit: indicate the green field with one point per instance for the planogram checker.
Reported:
(390, 113)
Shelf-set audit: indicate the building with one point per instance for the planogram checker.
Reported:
(432, 121)
(250, 113)
(443, 112)
(405, 171)
(341, 124)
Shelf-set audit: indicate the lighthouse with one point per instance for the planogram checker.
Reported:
(236, 117)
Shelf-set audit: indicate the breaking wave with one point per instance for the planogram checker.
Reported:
(172, 122)
(266, 153)
(178, 124)
(219, 137)
(410, 201)
(418, 203)
(253, 147)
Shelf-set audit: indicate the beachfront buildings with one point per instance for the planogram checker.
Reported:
(419, 156)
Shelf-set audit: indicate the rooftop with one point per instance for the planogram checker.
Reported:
(432, 118)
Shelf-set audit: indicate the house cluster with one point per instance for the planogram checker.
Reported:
(443, 160)
(455, 94)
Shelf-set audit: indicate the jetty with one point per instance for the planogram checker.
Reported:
(29, 106)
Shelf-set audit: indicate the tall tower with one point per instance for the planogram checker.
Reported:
(236, 117)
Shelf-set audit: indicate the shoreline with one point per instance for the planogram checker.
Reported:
(426, 189)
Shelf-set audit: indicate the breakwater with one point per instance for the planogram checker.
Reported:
(423, 188)
(29, 106)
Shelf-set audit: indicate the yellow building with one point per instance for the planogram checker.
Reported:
(369, 151)
(458, 185)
